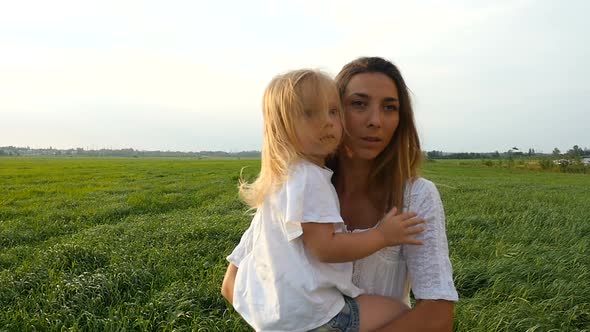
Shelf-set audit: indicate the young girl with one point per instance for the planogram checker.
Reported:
(294, 260)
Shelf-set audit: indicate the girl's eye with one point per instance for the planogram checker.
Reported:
(333, 111)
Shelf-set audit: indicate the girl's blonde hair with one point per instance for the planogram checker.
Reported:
(287, 98)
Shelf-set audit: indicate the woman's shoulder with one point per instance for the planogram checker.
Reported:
(420, 186)
(422, 194)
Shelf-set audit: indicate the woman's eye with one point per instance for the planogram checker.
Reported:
(391, 108)
(358, 104)
(333, 111)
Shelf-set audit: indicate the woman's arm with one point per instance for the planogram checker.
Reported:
(427, 316)
(227, 287)
(429, 267)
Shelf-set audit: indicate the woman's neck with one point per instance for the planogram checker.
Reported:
(352, 175)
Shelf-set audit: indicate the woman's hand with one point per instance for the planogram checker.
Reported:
(398, 229)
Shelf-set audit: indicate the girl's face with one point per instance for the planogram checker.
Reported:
(320, 132)
(371, 110)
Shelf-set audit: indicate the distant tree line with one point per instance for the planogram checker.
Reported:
(461, 155)
(574, 153)
(128, 152)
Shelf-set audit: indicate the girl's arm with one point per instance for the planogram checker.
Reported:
(227, 287)
(331, 247)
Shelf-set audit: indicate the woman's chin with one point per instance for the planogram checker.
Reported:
(360, 153)
(367, 155)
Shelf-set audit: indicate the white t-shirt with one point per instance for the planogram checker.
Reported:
(280, 286)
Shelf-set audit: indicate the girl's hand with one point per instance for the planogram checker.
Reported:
(397, 229)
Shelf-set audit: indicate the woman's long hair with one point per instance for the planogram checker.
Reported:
(287, 98)
(398, 163)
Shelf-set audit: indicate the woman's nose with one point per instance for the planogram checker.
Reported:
(374, 119)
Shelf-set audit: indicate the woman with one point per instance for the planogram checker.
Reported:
(375, 170)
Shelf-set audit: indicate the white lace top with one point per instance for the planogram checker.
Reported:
(426, 269)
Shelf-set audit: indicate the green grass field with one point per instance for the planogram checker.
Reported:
(140, 244)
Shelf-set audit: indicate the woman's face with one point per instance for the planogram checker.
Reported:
(371, 109)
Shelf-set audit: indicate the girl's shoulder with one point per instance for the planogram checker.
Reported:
(306, 179)
(305, 170)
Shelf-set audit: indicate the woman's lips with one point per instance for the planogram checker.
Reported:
(371, 139)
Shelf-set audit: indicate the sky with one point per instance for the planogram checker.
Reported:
(189, 75)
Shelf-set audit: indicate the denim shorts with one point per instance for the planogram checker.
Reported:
(347, 320)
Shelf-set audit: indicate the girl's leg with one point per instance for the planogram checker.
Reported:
(375, 311)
